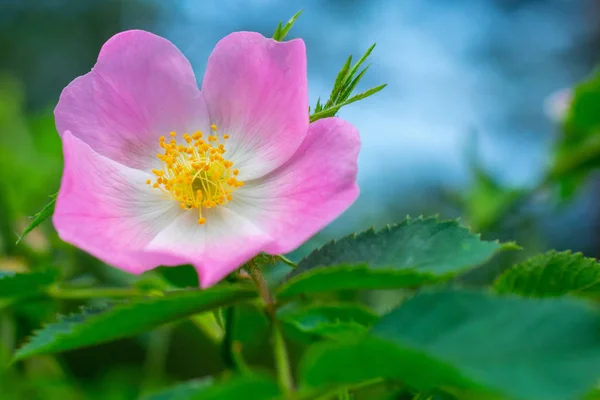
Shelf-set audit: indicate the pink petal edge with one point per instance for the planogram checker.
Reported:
(312, 189)
(141, 87)
(257, 92)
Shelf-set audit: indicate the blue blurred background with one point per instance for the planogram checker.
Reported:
(463, 121)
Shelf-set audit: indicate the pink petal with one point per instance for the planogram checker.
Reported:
(256, 91)
(141, 87)
(309, 191)
(106, 209)
(217, 248)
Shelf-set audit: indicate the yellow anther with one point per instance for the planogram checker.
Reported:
(194, 172)
(236, 172)
(225, 136)
(213, 127)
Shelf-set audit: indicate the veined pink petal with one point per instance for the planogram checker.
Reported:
(216, 249)
(141, 87)
(313, 188)
(256, 92)
(106, 208)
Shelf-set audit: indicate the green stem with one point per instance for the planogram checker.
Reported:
(282, 362)
(262, 287)
(156, 357)
(287, 261)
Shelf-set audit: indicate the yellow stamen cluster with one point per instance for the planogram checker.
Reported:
(195, 173)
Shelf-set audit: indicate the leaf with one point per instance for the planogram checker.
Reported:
(26, 285)
(345, 83)
(98, 325)
(503, 347)
(332, 321)
(183, 391)
(577, 152)
(408, 254)
(361, 60)
(551, 274)
(282, 31)
(40, 217)
(251, 387)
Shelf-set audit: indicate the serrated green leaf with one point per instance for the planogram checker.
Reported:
(551, 274)
(408, 254)
(505, 346)
(98, 325)
(282, 31)
(332, 321)
(40, 217)
(251, 387)
(25, 285)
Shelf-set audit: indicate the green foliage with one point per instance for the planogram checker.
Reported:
(493, 346)
(95, 325)
(332, 321)
(578, 150)
(183, 391)
(551, 274)
(345, 83)
(40, 217)
(18, 286)
(411, 253)
(252, 387)
(282, 31)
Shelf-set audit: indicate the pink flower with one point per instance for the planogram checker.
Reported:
(158, 172)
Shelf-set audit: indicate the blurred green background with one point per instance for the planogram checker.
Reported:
(465, 128)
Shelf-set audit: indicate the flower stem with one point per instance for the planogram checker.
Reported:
(261, 285)
(282, 362)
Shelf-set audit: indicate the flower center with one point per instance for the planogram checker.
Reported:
(195, 173)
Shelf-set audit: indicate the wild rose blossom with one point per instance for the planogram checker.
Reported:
(158, 172)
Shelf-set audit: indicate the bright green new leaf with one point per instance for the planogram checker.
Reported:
(408, 254)
(345, 83)
(40, 217)
(252, 387)
(282, 30)
(333, 321)
(510, 347)
(551, 274)
(98, 325)
(25, 285)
